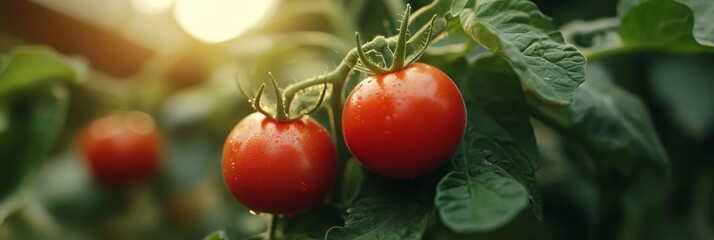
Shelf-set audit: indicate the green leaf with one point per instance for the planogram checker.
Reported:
(493, 179)
(615, 129)
(30, 66)
(645, 25)
(480, 202)
(34, 120)
(517, 30)
(606, 119)
(616, 119)
(685, 86)
(217, 235)
(625, 5)
(703, 17)
(702, 11)
(388, 209)
(456, 7)
(592, 35)
(495, 88)
(33, 108)
(663, 25)
(444, 9)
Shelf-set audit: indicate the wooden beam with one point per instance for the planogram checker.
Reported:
(105, 50)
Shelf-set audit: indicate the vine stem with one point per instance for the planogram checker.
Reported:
(273, 226)
(625, 48)
(340, 74)
(337, 78)
(595, 55)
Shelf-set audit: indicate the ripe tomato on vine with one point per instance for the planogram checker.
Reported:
(408, 118)
(279, 167)
(279, 164)
(406, 123)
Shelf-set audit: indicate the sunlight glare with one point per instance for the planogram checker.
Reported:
(150, 7)
(219, 20)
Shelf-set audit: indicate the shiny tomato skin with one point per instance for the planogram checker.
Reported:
(122, 148)
(406, 123)
(280, 168)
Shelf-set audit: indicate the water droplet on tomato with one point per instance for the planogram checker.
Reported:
(386, 132)
(255, 213)
(388, 118)
(304, 187)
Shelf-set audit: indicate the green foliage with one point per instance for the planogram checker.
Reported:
(388, 209)
(217, 235)
(34, 120)
(601, 164)
(676, 15)
(616, 119)
(502, 117)
(607, 118)
(478, 198)
(31, 66)
(659, 24)
(498, 150)
(614, 127)
(33, 108)
(703, 16)
(647, 25)
(516, 29)
(683, 84)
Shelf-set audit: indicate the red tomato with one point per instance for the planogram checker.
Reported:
(122, 148)
(279, 168)
(406, 123)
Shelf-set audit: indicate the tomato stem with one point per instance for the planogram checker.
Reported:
(257, 99)
(368, 63)
(425, 44)
(338, 76)
(344, 69)
(397, 60)
(386, 52)
(335, 115)
(272, 226)
(280, 114)
(400, 53)
(281, 109)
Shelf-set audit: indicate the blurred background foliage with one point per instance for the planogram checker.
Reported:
(66, 62)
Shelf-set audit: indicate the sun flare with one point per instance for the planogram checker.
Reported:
(219, 20)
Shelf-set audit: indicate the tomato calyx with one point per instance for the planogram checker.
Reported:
(387, 60)
(280, 113)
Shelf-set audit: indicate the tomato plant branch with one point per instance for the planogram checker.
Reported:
(337, 78)
(349, 62)
(620, 49)
(272, 226)
(281, 112)
(627, 48)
